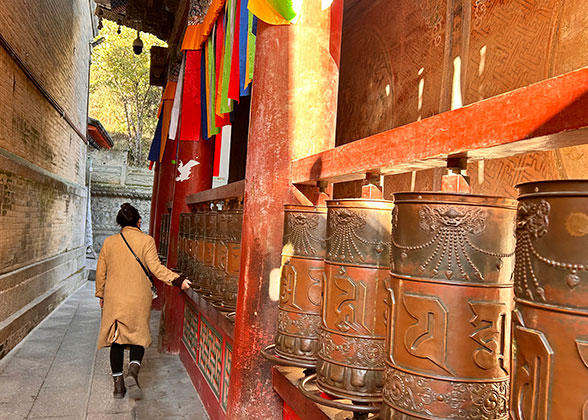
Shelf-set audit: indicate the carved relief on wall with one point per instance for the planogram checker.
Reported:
(366, 101)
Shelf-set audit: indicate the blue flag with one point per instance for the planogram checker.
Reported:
(156, 143)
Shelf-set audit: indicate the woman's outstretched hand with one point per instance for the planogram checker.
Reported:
(186, 284)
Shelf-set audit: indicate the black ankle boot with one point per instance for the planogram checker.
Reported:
(132, 381)
(119, 387)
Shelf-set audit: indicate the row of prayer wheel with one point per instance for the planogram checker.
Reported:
(411, 305)
(209, 252)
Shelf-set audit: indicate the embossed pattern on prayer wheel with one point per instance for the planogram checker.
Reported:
(303, 253)
(451, 297)
(352, 338)
(551, 288)
(207, 275)
(233, 240)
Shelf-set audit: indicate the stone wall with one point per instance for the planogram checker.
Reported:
(42, 160)
(114, 183)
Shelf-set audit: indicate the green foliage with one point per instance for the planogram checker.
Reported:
(120, 94)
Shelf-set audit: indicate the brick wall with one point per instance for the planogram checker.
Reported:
(42, 160)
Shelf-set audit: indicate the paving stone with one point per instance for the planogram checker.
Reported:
(57, 373)
(14, 410)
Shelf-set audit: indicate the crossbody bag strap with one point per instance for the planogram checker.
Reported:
(147, 273)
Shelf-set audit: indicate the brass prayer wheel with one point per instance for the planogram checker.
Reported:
(450, 304)
(182, 242)
(220, 255)
(199, 247)
(191, 247)
(303, 253)
(207, 273)
(234, 228)
(551, 287)
(353, 331)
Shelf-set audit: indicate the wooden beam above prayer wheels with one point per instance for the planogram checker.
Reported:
(546, 115)
(232, 190)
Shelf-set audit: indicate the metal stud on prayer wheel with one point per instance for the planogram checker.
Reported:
(551, 287)
(233, 241)
(451, 297)
(303, 253)
(352, 339)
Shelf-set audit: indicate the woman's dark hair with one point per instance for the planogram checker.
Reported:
(127, 215)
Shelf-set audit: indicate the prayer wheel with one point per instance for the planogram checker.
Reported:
(353, 331)
(199, 247)
(182, 242)
(207, 274)
(303, 254)
(233, 264)
(551, 288)
(220, 255)
(450, 304)
(191, 247)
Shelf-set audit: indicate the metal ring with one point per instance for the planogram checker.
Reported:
(330, 403)
(283, 361)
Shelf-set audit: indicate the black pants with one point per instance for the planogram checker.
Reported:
(117, 355)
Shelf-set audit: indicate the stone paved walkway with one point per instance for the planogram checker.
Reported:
(56, 373)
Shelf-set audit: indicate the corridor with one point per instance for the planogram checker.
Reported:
(56, 373)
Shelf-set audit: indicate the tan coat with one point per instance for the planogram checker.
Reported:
(126, 290)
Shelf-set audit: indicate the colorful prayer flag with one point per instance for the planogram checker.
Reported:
(156, 143)
(276, 12)
(191, 97)
(176, 107)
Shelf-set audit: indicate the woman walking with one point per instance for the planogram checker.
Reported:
(124, 290)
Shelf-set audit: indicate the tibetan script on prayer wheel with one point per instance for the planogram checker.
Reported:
(450, 304)
(353, 331)
(551, 287)
(303, 253)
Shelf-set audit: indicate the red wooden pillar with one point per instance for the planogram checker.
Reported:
(164, 194)
(186, 181)
(293, 114)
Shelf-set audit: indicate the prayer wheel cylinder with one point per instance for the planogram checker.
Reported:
(199, 248)
(303, 254)
(208, 271)
(353, 331)
(191, 251)
(550, 325)
(233, 240)
(182, 242)
(450, 304)
(220, 256)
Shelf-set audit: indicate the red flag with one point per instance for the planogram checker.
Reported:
(217, 153)
(190, 117)
(234, 79)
